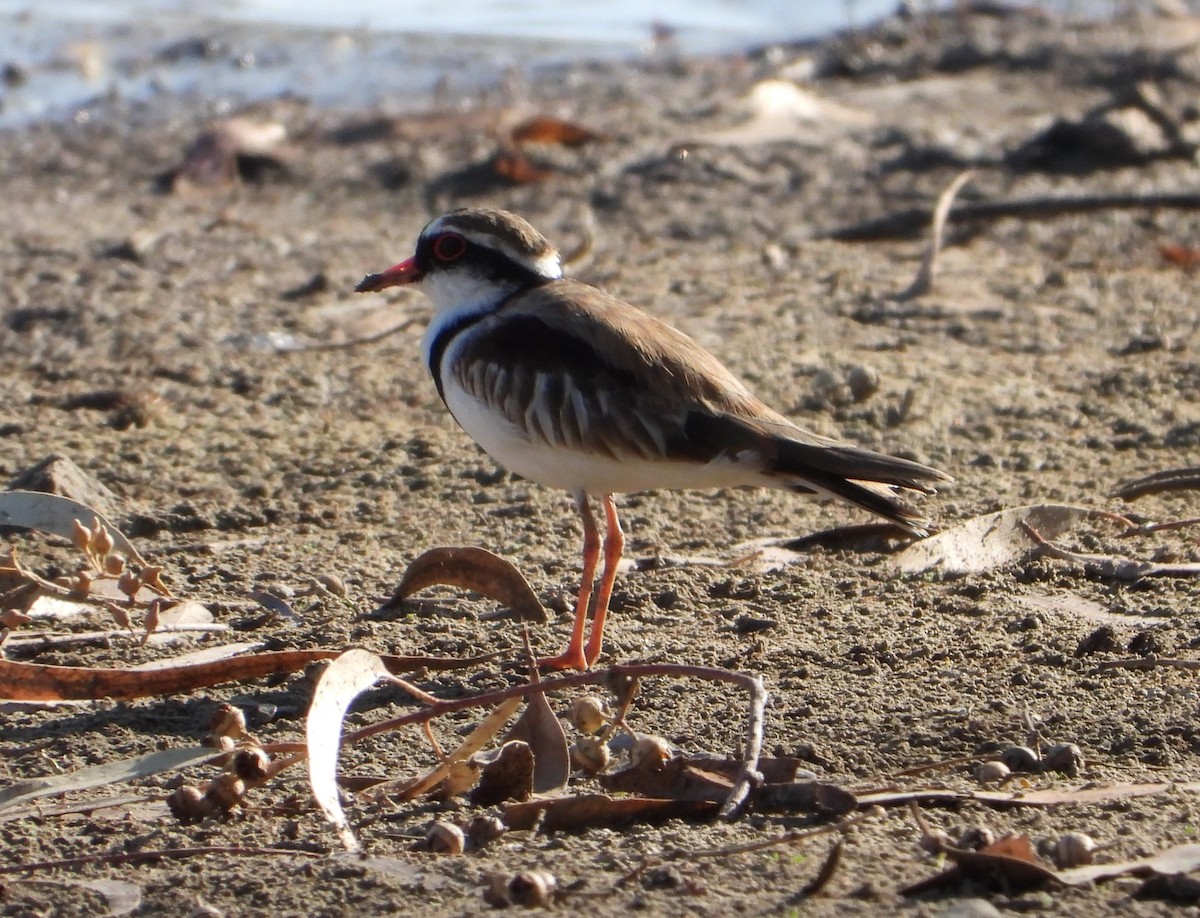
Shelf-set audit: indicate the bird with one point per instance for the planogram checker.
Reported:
(570, 387)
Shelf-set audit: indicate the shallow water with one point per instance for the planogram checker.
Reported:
(64, 58)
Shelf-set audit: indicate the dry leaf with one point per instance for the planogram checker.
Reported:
(1083, 796)
(232, 149)
(473, 569)
(1180, 256)
(57, 515)
(1086, 609)
(781, 110)
(586, 811)
(108, 773)
(344, 680)
(476, 740)
(35, 682)
(1180, 859)
(546, 129)
(512, 165)
(541, 729)
(506, 774)
(1160, 482)
(989, 541)
(1009, 863)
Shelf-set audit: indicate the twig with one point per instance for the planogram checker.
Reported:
(141, 857)
(1150, 663)
(1159, 482)
(579, 256)
(824, 875)
(923, 282)
(933, 766)
(352, 342)
(1125, 569)
(904, 224)
(753, 685)
(1168, 526)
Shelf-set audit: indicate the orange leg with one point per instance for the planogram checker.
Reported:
(573, 657)
(614, 545)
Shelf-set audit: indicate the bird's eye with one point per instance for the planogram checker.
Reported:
(449, 247)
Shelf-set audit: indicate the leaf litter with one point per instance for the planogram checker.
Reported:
(532, 758)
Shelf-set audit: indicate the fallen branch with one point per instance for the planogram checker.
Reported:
(753, 685)
(905, 224)
(1158, 483)
(37, 682)
(1150, 663)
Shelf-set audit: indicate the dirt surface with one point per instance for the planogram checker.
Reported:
(1053, 360)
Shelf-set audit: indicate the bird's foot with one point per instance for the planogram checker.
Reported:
(571, 659)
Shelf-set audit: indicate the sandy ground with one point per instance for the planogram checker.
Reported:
(1054, 360)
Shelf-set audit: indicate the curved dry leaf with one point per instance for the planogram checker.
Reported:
(989, 541)
(476, 740)
(474, 569)
(506, 774)
(218, 156)
(781, 110)
(540, 727)
(57, 515)
(108, 773)
(584, 811)
(546, 129)
(38, 682)
(1159, 482)
(344, 680)
(1180, 859)
(514, 166)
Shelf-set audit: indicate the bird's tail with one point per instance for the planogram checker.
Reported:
(865, 478)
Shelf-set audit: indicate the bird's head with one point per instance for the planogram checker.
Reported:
(473, 256)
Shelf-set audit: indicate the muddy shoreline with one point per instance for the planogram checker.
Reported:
(1054, 359)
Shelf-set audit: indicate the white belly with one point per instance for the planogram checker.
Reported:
(575, 470)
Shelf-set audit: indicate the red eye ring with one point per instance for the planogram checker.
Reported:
(449, 247)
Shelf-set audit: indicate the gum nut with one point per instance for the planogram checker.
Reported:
(1074, 849)
(532, 888)
(445, 838)
(114, 564)
(1066, 758)
(991, 772)
(588, 714)
(333, 583)
(1020, 758)
(252, 765)
(590, 754)
(976, 837)
(188, 804)
(483, 830)
(650, 752)
(227, 790)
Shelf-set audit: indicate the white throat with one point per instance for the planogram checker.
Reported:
(457, 295)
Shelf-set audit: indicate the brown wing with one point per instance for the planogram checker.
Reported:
(575, 367)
